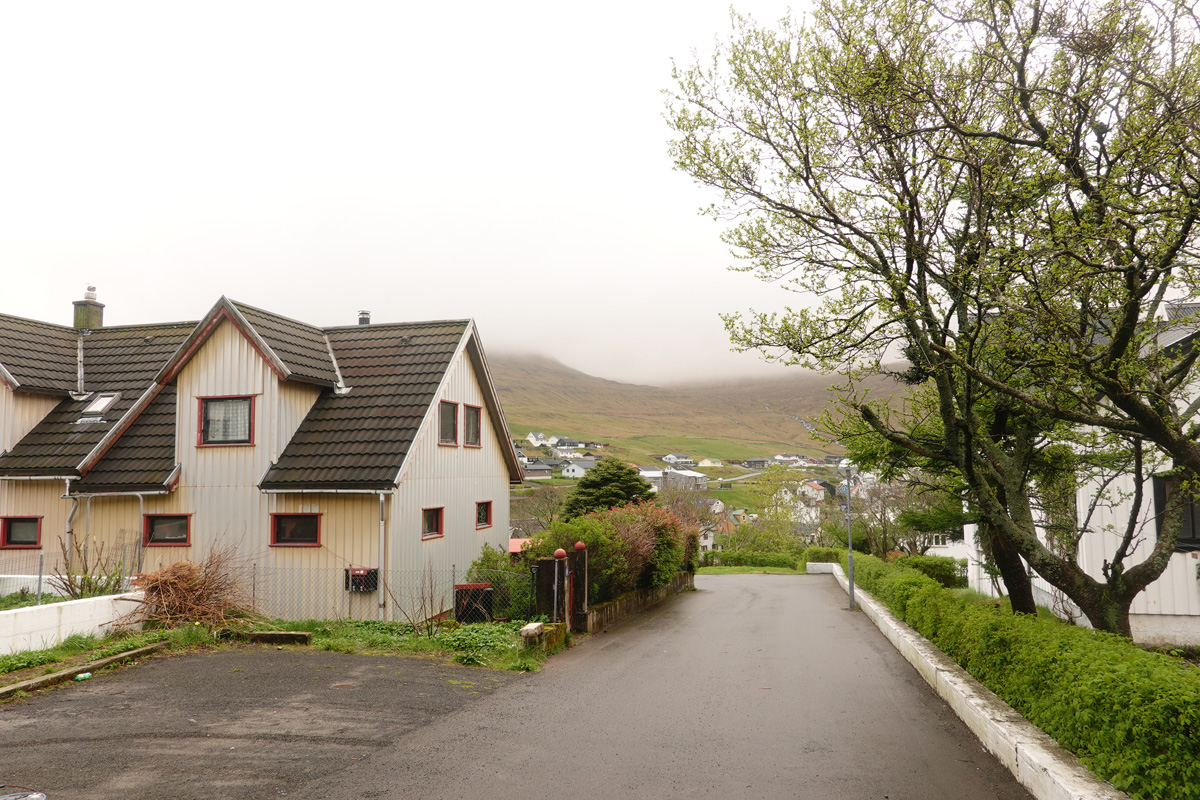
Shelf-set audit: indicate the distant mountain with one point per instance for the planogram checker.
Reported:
(730, 419)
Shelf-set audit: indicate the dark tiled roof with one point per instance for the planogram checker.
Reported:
(300, 346)
(39, 355)
(359, 440)
(144, 457)
(121, 359)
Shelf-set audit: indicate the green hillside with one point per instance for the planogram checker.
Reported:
(729, 420)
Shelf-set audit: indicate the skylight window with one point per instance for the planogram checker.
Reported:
(100, 403)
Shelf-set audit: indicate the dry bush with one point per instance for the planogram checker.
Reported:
(87, 572)
(210, 593)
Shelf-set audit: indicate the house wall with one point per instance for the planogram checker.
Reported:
(20, 412)
(36, 499)
(455, 479)
(1166, 612)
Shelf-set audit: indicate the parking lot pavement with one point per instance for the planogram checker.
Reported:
(249, 722)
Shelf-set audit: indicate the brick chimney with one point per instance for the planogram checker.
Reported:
(89, 314)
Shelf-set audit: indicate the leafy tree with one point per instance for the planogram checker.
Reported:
(1006, 190)
(610, 483)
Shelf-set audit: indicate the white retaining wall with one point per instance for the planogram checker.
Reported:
(39, 627)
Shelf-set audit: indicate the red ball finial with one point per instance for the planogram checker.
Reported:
(560, 553)
(580, 546)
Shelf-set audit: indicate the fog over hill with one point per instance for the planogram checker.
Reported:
(755, 414)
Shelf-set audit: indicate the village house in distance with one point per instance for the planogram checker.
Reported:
(360, 447)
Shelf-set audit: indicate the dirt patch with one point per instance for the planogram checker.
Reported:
(243, 722)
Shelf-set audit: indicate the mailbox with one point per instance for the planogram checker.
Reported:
(362, 579)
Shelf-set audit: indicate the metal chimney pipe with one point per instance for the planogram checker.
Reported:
(364, 317)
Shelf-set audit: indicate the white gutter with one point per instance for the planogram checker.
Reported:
(70, 518)
(382, 561)
(327, 491)
(67, 478)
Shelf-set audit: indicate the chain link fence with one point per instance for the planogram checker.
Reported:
(94, 569)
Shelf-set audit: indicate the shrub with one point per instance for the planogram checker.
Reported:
(1130, 715)
(823, 555)
(512, 588)
(742, 558)
(949, 572)
(628, 547)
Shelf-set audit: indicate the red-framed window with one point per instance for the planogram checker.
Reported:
(483, 514)
(20, 533)
(433, 521)
(472, 426)
(167, 530)
(447, 423)
(295, 530)
(225, 421)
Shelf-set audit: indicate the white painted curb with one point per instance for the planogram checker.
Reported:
(1038, 762)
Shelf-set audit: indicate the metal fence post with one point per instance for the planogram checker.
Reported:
(41, 558)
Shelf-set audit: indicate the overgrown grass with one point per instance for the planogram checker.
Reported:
(496, 645)
(749, 570)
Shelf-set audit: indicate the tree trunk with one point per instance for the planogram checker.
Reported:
(1105, 612)
(1012, 570)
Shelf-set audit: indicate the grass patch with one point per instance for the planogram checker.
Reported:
(26, 598)
(495, 645)
(749, 571)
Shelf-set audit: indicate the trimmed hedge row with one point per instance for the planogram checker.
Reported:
(949, 572)
(1132, 716)
(750, 559)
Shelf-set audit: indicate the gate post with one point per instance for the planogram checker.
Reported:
(579, 588)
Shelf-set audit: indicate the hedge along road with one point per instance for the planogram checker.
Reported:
(752, 686)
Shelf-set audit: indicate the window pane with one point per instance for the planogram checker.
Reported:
(172, 530)
(448, 427)
(471, 420)
(21, 532)
(227, 420)
(483, 514)
(296, 529)
(431, 522)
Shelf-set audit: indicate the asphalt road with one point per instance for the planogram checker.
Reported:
(753, 686)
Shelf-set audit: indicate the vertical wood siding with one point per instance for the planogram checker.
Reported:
(453, 478)
(20, 412)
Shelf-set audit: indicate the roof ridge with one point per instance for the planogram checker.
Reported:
(462, 321)
(64, 328)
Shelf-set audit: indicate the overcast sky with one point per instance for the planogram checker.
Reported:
(502, 161)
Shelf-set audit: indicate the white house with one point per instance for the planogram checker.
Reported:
(578, 468)
(679, 459)
(710, 462)
(537, 439)
(1168, 610)
(307, 451)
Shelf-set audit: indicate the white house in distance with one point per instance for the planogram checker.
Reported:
(537, 439)
(578, 468)
(679, 459)
(709, 462)
(307, 451)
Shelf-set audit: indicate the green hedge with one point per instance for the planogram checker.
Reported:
(823, 555)
(1132, 716)
(949, 572)
(738, 558)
